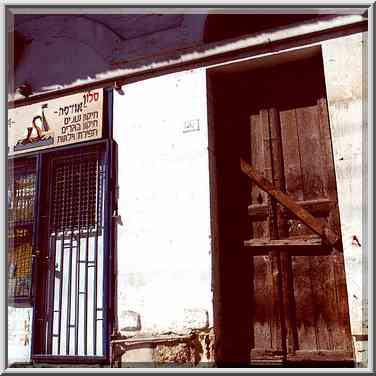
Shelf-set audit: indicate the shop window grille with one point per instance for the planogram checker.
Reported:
(21, 206)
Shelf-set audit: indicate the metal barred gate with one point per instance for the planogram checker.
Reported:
(73, 259)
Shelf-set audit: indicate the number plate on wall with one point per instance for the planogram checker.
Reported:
(58, 122)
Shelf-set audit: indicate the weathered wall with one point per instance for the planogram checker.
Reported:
(195, 349)
(164, 261)
(19, 334)
(346, 83)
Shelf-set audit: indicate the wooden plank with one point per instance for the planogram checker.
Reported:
(262, 302)
(310, 153)
(318, 275)
(329, 177)
(291, 157)
(341, 331)
(278, 171)
(304, 303)
(284, 243)
(270, 356)
(262, 283)
(301, 253)
(284, 259)
(258, 196)
(326, 233)
(303, 331)
(321, 356)
(268, 170)
(276, 150)
(256, 155)
(263, 315)
(277, 334)
(317, 271)
(318, 208)
(322, 291)
(308, 245)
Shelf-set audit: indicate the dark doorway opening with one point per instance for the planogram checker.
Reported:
(272, 306)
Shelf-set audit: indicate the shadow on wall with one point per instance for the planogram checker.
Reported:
(61, 50)
(67, 49)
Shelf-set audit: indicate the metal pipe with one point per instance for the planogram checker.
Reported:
(87, 260)
(60, 286)
(95, 274)
(78, 264)
(70, 272)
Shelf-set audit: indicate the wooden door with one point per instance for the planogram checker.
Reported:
(304, 286)
(298, 298)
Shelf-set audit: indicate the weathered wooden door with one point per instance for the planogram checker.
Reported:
(300, 289)
(298, 308)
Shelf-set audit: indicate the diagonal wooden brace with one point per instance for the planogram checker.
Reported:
(328, 236)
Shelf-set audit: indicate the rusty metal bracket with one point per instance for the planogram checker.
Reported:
(328, 236)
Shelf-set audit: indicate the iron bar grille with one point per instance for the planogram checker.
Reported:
(21, 198)
(74, 195)
(76, 247)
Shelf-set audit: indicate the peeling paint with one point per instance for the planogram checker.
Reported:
(346, 83)
(195, 349)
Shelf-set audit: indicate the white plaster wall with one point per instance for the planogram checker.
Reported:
(164, 259)
(346, 83)
(160, 101)
(19, 334)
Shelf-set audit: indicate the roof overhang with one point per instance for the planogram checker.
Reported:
(214, 53)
